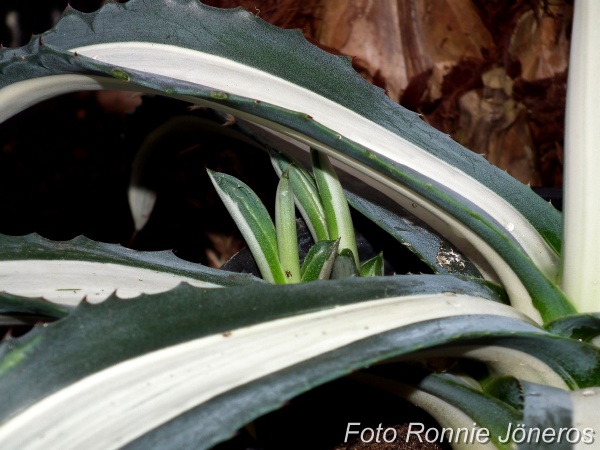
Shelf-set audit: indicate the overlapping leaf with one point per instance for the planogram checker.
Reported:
(349, 119)
(298, 336)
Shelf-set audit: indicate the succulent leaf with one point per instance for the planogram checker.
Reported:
(306, 195)
(253, 221)
(319, 261)
(335, 205)
(67, 271)
(143, 357)
(479, 208)
(372, 267)
(285, 225)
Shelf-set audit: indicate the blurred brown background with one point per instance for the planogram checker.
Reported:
(492, 73)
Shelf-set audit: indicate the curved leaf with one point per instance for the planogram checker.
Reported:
(67, 271)
(579, 326)
(364, 129)
(335, 205)
(187, 350)
(372, 267)
(16, 310)
(306, 195)
(253, 221)
(287, 56)
(319, 261)
(183, 431)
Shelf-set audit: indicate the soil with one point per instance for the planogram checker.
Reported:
(400, 443)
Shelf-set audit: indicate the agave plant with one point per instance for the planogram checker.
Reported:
(186, 365)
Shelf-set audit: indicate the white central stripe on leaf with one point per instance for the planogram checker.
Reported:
(68, 282)
(19, 96)
(255, 225)
(223, 74)
(113, 407)
(488, 262)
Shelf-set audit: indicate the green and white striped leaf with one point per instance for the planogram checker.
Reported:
(439, 254)
(306, 195)
(431, 248)
(511, 235)
(344, 265)
(372, 267)
(285, 225)
(253, 221)
(335, 205)
(181, 358)
(67, 271)
(318, 263)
